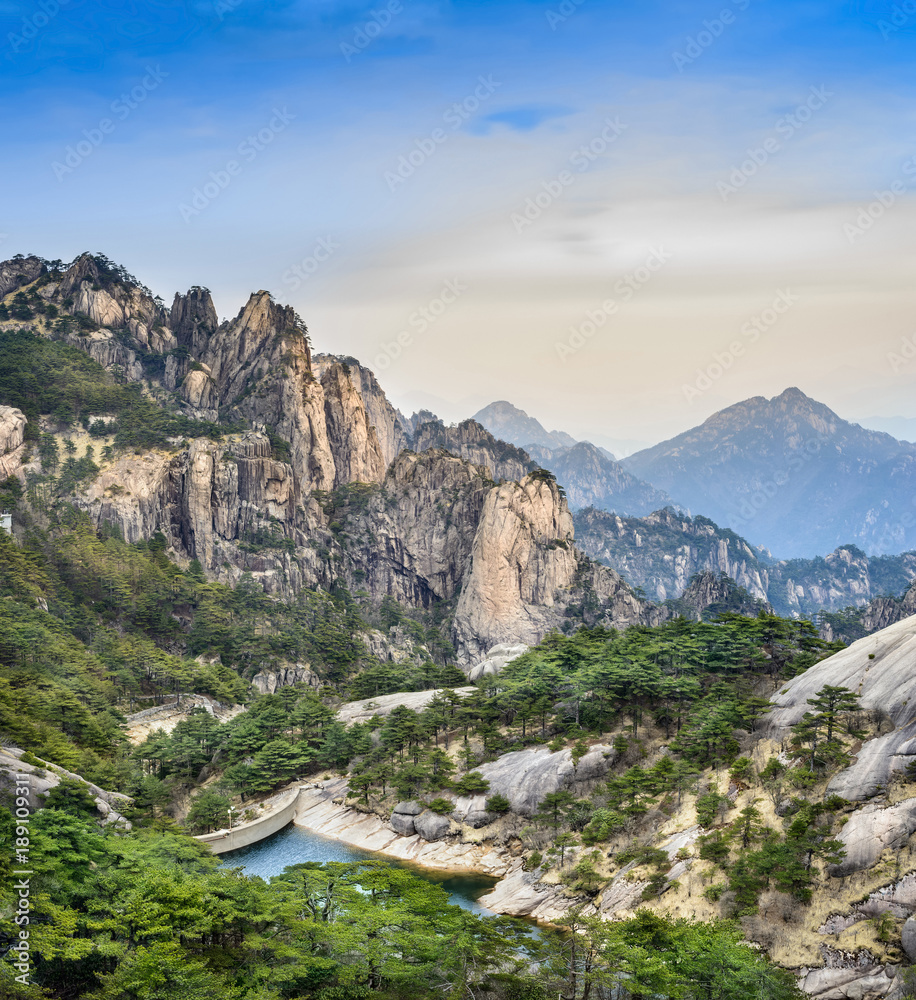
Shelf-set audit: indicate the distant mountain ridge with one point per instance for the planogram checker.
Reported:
(590, 474)
(790, 474)
(661, 553)
(511, 424)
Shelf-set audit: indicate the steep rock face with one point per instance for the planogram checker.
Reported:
(477, 445)
(881, 670)
(114, 304)
(420, 528)
(524, 572)
(260, 367)
(12, 436)
(270, 681)
(18, 272)
(354, 444)
(193, 319)
(390, 428)
(105, 348)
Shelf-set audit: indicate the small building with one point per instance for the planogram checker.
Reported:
(6, 523)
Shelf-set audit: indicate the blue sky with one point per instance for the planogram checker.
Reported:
(408, 138)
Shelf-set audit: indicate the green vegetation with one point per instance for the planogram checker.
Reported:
(45, 376)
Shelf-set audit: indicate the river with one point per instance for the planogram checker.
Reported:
(294, 845)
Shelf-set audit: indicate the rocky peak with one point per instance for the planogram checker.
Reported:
(114, 300)
(193, 319)
(18, 272)
(511, 424)
(475, 443)
(711, 593)
(525, 572)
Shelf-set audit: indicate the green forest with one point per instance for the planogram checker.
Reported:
(92, 626)
(94, 629)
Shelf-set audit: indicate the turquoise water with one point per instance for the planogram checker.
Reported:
(294, 845)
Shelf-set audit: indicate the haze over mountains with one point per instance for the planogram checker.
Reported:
(786, 473)
(590, 474)
(790, 474)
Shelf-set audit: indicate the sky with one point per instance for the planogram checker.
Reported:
(620, 217)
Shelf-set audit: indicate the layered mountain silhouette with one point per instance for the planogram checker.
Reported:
(790, 474)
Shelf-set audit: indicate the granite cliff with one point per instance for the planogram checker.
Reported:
(309, 476)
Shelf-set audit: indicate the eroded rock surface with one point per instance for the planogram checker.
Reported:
(524, 777)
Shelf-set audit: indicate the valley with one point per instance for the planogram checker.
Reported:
(238, 580)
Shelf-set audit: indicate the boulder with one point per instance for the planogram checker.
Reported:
(496, 659)
(864, 983)
(871, 830)
(908, 938)
(430, 826)
(408, 808)
(478, 818)
(403, 824)
(524, 777)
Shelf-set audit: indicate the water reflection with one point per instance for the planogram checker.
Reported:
(294, 845)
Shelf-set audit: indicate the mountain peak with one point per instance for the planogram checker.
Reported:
(791, 474)
(792, 395)
(509, 423)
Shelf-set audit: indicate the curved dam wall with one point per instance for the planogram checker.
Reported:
(246, 834)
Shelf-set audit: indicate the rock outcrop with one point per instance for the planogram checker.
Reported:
(495, 660)
(12, 437)
(19, 271)
(880, 670)
(42, 777)
(525, 572)
(270, 681)
(524, 777)
(385, 704)
(90, 288)
(477, 445)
